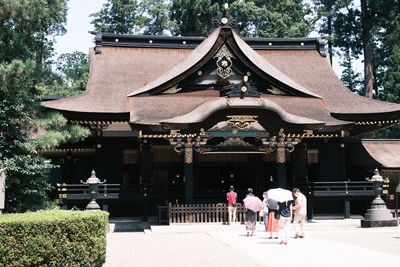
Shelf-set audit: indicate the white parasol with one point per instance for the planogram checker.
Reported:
(279, 195)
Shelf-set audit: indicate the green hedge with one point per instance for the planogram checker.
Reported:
(53, 238)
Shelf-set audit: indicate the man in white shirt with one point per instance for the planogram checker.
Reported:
(300, 213)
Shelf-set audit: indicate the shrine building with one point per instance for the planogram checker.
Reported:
(180, 119)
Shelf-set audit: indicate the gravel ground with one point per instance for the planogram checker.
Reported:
(172, 249)
(327, 243)
(388, 242)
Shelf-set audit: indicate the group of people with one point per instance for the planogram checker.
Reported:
(277, 215)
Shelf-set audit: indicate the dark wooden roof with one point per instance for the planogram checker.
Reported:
(206, 50)
(375, 153)
(194, 107)
(190, 42)
(129, 67)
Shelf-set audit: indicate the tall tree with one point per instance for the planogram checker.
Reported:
(327, 10)
(157, 17)
(273, 18)
(387, 77)
(119, 16)
(26, 184)
(27, 29)
(347, 27)
(193, 17)
(259, 18)
(75, 68)
(71, 77)
(367, 15)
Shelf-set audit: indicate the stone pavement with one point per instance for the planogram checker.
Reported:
(328, 243)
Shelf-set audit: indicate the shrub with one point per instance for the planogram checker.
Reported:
(53, 238)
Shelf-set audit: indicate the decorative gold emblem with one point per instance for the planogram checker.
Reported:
(224, 62)
(243, 89)
(174, 132)
(308, 132)
(241, 121)
(224, 20)
(172, 90)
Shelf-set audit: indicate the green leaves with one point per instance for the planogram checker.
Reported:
(53, 238)
(272, 18)
(268, 18)
(27, 26)
(53, 129)
(75, 67)
(72, 77)
(118, 16)
(26, 32)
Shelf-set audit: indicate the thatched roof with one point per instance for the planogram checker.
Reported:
(126, 79)
(373, 153)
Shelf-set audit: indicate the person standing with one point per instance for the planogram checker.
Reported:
(272, 222)
(285, 211)
(300, 212)
(231, 197)
(251, 218)
(265, 210)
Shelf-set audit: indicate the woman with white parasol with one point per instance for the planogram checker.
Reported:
(284, 199)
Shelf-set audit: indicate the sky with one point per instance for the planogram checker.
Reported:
(78, 24)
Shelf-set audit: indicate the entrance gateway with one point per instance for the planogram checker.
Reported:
(179, 119)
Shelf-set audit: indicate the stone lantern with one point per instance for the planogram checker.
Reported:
(93, 183)
(378, 215)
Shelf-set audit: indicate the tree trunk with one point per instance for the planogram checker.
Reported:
(330, 30)
(368, 53)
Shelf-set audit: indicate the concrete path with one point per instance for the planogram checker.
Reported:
(328, 243)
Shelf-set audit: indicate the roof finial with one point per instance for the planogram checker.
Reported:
(223, 19)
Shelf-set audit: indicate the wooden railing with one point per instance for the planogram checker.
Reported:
(73, 194)
(205, 213)
(342, 189)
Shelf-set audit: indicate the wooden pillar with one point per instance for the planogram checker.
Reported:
(281, 166)
(310, 196)
(347, 208)
(310, 202)
(69, 170)
(342, 162)
(146, 160)
(342, 177)
(188, 172)
(100, 155)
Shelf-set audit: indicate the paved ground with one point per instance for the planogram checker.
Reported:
(328, 243)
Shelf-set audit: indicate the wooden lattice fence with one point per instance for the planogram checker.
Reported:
(204, 213)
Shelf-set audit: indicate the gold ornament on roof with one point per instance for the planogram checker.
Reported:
(241, 121)
(224, 62)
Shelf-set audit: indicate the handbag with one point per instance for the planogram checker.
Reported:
(233, 204)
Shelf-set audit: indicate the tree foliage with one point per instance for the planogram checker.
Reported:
(26, 43)
(26, 186)
(267, 18)
(27, 27)
(119, 16)
(193, 17)
(273, 18)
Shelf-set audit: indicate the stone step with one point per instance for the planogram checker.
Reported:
(128, 224)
